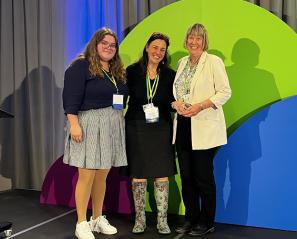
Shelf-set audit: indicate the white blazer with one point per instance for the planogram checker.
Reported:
(210, 81)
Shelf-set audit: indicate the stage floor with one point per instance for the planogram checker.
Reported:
(32, 220)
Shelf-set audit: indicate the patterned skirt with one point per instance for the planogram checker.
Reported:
(103, 144)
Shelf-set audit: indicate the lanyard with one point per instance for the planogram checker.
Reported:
(113, 81)
(151, 90)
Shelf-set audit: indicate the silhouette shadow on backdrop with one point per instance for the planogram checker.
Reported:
(251, 87)
(175, 57)
(59, 184)
(27, 141)
(217, 53)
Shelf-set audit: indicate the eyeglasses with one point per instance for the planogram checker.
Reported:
(107, 45)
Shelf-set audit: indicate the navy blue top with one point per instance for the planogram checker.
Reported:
(84, 92)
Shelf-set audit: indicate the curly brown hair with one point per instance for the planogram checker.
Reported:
(91, 55)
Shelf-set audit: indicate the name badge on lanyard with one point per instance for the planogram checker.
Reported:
(117, 99)
(118, 102)
(151, 113)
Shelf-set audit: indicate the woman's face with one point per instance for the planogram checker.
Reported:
(106, 48)
(156, 51)
(195, 44)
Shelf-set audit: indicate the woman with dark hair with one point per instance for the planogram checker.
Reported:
(93, 98)
(149, 129)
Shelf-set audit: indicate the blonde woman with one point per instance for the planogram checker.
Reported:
(200, 89)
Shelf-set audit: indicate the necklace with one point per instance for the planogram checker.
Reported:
(194, 63)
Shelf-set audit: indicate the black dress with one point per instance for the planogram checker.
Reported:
(150, 152)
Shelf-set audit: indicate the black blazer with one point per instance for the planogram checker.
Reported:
(136, 81)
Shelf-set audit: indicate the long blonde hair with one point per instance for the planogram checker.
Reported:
(91, 55)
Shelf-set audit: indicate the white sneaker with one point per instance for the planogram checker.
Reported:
(83, 231)
(101, 225)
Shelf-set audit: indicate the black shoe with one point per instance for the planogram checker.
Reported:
(200, 230)
(186, 227)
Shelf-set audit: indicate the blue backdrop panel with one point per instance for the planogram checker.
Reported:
(257, 170)
(83, 18)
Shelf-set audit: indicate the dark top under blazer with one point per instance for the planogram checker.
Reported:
(84, 92)
(136, 81)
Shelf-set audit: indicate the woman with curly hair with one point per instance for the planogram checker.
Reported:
(94, 95)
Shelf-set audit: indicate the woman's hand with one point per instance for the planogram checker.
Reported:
(179, 106)
(75, 129)
(192, 110)
(76, 133)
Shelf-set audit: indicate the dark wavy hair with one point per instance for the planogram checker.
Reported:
(91, 55)
(143, 61)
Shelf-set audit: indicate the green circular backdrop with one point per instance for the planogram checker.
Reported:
(259, 51)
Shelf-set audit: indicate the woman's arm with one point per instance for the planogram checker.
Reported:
(74, 86)
(221, 87)
(221, 83)
(73, 94)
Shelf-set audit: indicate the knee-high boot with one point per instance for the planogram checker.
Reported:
(161, 194)
(139, 191)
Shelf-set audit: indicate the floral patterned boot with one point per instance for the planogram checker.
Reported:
(139, 190)
(161, 194)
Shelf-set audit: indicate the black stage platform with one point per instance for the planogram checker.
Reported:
(32, 220)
